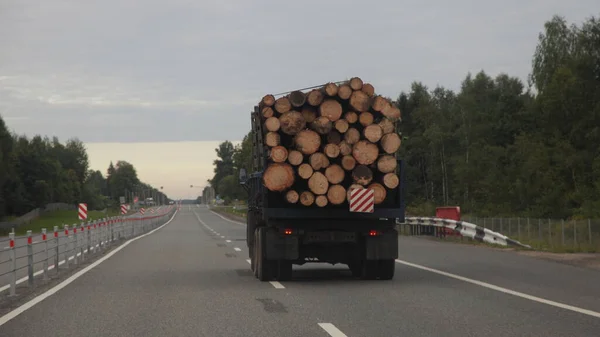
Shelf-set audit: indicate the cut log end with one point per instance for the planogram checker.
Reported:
(336, 194)
(387, 126)
(359, 101)
(305, 171)
(373, 133)
(322, 125)
(387, 164)
(348, 163)
(366, 118)
(330, 89)
(278, 177)
(307, 198)
(334, 137)
(267, 112)
(391, 180)
(279, 154)
(390, 143)
(365, 153)
(318, 161)
(297, 98)
(379, 192)
(356, 83)
(331, 109)
(318, 183)
(272, 124)
(351, 117)
(295, 157)
(335, 174)
(368, 89)
(321, 201)
(268, 100)
(341, 125)
(292, 122)
(362, 175)
(283, 105)
(345, 148)
(307, 141)
(314, 97)
(292, 196)
(344, 92)
(309, 113)
(332, 150)
(352, 136)
(379, 103)
(392, 112)
(272, 139)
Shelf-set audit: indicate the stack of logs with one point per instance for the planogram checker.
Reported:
(323, 143)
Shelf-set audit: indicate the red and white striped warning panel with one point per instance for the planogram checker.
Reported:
(152, 210)
(82, 211)
(362, 200)
(123, 209)
(142, 210)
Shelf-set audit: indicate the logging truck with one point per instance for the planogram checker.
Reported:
(326, 184)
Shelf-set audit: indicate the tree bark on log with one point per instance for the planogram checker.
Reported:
(335, 174)
(332, 150)
(321, 201)
(272, 124)
(331, 109)
(341, 125)
(359, 101)
(307, 141)
(322, 125)
(305, 171)
(279, 154)
(297, 98)
(352, 136)
(295, 157)
(314, 97)
(292, 196)
(272, 139)
(390, 143)
(379, 192)
(309, 113)
(318, 183)
(318, 161)
(362, 175)
(307, 198)
(373, 133)
(292, 122)
(356, 83)
(365, 153)
(278, 177)
(336, 194)
(283, 105)
(344, 92)
(348, 163)
(366, 119)
(391, 180)
(387, 164)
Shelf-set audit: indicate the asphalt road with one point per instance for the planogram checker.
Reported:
(39, 252)
(191, 278)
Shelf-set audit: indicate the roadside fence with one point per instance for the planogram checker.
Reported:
(23, 258)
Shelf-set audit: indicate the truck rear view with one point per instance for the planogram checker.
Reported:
(326, 185)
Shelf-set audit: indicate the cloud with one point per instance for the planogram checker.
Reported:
(108, 70)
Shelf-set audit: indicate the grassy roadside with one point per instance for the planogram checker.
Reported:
(230, 210)
(58, 218)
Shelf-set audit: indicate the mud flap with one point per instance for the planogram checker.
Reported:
(281, 247)
(382, 247)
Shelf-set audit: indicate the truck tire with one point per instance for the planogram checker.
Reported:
(265, 267)
(370, 269)
(284, 270)
(254, 255)
(387, 269)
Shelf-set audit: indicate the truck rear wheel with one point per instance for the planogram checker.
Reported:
(265, 268)
(378, 269)
(387, 269)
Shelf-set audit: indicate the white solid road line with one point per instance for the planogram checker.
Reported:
(504, 290)
(16, 312)
(237, 249)
(275, 284)
(224, 218)
(332, 330)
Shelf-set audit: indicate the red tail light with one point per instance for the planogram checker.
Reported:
(374, 233)
(287, 231)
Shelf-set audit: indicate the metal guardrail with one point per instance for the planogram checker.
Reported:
(34, 254)
(467, 229)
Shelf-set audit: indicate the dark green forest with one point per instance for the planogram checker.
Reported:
(498, 146)
(38, 171)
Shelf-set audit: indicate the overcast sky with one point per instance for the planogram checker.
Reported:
(191, 70)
